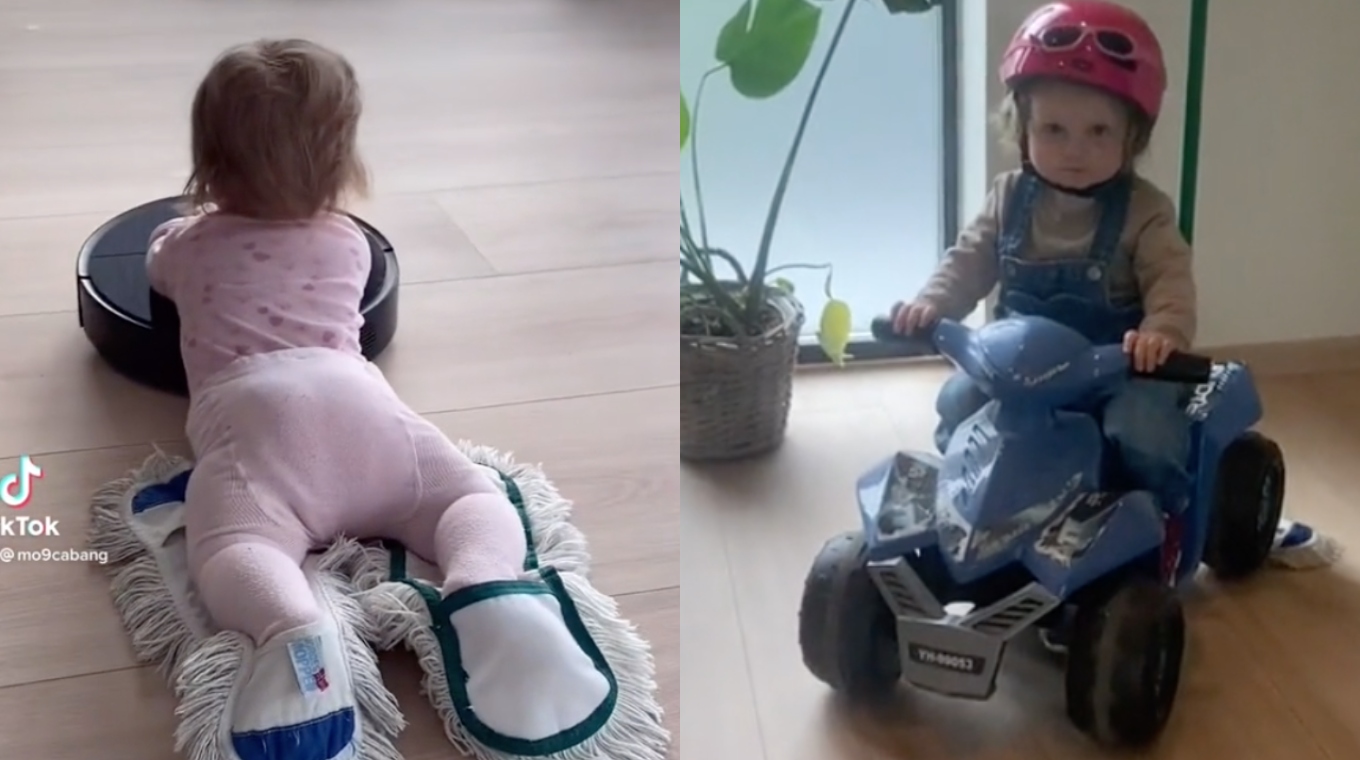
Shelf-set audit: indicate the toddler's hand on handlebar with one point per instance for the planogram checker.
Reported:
(1149, 350)
(911, 318)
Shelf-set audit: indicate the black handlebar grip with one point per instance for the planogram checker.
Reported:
(920, 342)
(1181, 367)
(882, 329)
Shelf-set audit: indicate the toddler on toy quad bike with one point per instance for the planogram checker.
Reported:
(1085, 257)
(1077, 235)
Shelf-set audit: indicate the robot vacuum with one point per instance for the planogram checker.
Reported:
(136, 330)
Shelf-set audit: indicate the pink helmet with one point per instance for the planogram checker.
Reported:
(1093, 42)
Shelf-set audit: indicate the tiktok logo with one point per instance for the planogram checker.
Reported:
(17, 488)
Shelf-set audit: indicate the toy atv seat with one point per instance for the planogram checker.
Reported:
(1016, 525)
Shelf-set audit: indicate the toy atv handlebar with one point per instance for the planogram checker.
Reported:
(1013, 341)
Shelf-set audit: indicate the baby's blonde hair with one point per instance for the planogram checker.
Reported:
(274, 132)
(1012, 118)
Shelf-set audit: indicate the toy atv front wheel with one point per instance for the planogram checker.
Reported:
(1248, 502)
(846, 630)
(1124, 663)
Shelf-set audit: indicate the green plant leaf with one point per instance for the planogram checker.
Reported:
(684, 121)
(910, 6)
(765, 51)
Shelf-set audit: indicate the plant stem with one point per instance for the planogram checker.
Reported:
(694, 152)
(738, 274)
(757, 289)
(782, 267)
(686, 236)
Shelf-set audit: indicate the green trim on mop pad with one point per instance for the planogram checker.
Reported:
(397, 562)
(397, 567)
(516, 498)
(481, 592)
(440, 611)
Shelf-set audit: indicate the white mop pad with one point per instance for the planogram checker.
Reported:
(1300, 547)
(219, 677)
(543, 666)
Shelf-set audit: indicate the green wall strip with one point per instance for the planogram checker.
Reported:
(1194, 94)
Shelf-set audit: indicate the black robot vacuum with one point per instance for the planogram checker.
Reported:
(136, 330)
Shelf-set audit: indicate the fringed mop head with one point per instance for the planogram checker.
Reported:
(555, 540)
(352, 582)
(401, 617)
(204, 685)
(635, 730)
(160, 635)
(203, 664)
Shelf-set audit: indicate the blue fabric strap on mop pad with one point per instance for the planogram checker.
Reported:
(379, 595)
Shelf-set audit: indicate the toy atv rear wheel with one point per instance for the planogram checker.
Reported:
(846, 630)
(1248, 503)
(1124, 663)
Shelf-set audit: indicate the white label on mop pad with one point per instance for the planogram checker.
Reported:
(306, 657)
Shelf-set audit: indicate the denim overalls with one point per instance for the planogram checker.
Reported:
(1144, 421)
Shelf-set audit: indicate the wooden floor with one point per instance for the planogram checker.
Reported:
(1274, 668)
(525, 167)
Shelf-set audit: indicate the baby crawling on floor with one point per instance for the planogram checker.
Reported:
(299, 440)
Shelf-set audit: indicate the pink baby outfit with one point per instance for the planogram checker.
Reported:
(297, 438)
(244, 286)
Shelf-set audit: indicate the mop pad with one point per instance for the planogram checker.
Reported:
(1300, 547)
(533, 687)
(139, 521)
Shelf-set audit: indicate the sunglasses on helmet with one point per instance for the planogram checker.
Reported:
(1116, 45)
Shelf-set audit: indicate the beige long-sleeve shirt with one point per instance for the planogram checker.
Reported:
(1155, 270)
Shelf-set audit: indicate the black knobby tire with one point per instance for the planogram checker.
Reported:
(1248, 504)
(846, 630)
(1124, 663)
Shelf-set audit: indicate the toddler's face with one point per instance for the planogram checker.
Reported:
(1076, 135)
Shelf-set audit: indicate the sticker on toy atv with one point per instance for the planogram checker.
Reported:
(989, 542)
(1205, 395)
(1077, 527)
(938, 658)
(909, 499)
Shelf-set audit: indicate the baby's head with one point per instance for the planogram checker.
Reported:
(1085, 81)
(1074, 135)
(274, 127)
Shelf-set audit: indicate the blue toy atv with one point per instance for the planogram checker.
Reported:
(1021, 524)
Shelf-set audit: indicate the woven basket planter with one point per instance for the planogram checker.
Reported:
(735, 393)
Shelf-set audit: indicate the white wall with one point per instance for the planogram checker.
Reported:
(1277, 219)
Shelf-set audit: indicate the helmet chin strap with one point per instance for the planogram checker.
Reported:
(1090, 191)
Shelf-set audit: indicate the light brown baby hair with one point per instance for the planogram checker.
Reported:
(1013, 116)
(274, 128)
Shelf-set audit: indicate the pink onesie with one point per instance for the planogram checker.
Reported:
(297, 438)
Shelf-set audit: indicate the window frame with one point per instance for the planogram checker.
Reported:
(862, 350)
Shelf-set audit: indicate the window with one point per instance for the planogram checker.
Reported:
(873, 192)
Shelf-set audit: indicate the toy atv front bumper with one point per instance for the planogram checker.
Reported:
(948, 659)
(958, 655)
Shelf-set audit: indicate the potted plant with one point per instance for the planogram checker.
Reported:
(740, 326)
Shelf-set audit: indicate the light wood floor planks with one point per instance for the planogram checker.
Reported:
(523, 154)
(1273, 669)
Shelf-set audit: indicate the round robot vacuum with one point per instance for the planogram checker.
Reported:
(136, 330)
